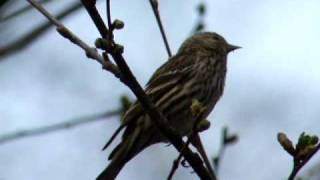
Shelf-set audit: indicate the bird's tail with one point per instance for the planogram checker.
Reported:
(133, 143)
(112, 171)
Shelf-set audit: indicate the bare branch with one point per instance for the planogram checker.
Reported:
(31, 36)
(56, 127)
(154, 5)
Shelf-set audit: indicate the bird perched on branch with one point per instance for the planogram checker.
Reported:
(198, 72)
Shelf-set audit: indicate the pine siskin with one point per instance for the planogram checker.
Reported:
(198, 72)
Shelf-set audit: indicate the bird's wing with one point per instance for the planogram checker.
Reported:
(156, 89)
(175, 64)
(165, 82)
(165, 78)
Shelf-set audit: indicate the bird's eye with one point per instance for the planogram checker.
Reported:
(215, 38)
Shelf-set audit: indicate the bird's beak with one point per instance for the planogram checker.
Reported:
(232, 47)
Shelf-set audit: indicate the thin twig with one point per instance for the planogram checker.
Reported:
(127, 78)
(298, 165)
(154, 5)
(110, 26)
(56, 127)
(65, 32)
(109, 14)
(31, 36)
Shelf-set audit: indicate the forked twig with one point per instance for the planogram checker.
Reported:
(298, 165)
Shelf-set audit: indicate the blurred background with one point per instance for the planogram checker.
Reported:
(272, 85)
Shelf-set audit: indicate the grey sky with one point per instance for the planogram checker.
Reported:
(272, 86)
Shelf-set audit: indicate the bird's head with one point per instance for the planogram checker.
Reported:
(209, 41)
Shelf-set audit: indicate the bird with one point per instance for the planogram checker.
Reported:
(196, 72)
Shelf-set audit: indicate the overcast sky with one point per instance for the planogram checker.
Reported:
(272, 85)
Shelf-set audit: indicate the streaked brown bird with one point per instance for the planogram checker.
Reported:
(198, 72)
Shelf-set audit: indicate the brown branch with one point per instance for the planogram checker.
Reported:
(154, 5)
(31, 36)
(297, 165)
(56, 127)
(127, 78)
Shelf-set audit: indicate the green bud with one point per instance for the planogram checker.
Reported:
(203, 125)
(286, 143)
(125, 105)
(201, 9)
(103, 44)
(302, 141)
(199, 27)
(231, 139)
(125, 102)
(196, 107)
(118, 24)
(303, 153)
(314, 140)
(306, 140)
(228, 138)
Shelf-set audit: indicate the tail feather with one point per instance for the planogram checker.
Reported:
(111, 172)
(129, 147)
